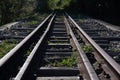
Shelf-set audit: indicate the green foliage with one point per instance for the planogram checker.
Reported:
(6, 46)
(58, 4)
(12, 9)
(53, 4)
(41, 16)
(71, 61)
(67, 62)
(88, 49)
(28, 51)
(36, 18)
(33, 22)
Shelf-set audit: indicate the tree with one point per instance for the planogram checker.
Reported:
(11, 9)
(8, 8)
(53, 4)
(42, 6)
(58, 4)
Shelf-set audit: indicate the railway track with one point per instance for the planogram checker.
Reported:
(58, 49)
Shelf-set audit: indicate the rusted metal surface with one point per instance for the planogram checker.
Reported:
(30, 57)
(91, 71)
(14, 50)
(111, 62)
(51, 46)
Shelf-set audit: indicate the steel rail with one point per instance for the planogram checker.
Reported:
(20, 45)
(30, 57)
(111, 62)
(91, 71)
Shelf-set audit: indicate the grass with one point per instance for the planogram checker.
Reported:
(68, 62)
(27, 53)
(6, 46)
(41, 16)
(88, 49)
(32, 22)
(36, 18)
